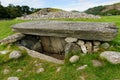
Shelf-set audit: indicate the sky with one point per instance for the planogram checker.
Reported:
(68, 5)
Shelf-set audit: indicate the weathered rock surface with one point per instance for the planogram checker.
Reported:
(53, 44)
(74, 59)
(12, 38)
(111, 56)
(105, 45)
(89, 47)
(82, 30)
(42, 56)
(15, 54)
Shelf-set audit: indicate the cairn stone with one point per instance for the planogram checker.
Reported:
(70, 39)
(15, 54)
(96, 43)
(89, 47)
(105, 45)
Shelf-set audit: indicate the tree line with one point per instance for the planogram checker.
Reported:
(12, 11)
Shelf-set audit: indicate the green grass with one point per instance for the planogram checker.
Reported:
(68, 71)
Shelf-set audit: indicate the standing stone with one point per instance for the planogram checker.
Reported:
(37, 47)
(15, 55)
(70, 39)
(53, 44)
(13, 78)
(111, 56)
(105, 45)
(89, 47)
(74, 59)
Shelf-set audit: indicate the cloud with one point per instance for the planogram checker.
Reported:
(31, 3)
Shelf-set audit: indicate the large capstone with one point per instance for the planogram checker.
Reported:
(82, 30)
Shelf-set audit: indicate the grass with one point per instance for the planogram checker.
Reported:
(68, 71)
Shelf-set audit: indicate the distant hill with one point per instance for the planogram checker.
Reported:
(113, 9)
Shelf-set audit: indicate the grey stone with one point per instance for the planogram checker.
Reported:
(70, 39)
(111, 56)
(96, 48)
(80, 42)
(84, 49)
(72, 47)
(15, 54)
(96, 63)
(40, 70)
(89, 47)
(82, 30)
(6, 71)
(74, 59)
(12, 38)
(96, 43)
(37, 47)
(13, 78)
(105, 45)
(82, 67)
(42, 56)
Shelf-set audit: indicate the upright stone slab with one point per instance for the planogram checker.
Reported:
(82, 30)
(53, 44)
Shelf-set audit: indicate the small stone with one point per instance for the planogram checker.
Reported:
(38, 64)
(74, 59)
(37, 47)
(80, 42)
(95, 48)
(89, 47)
(82, 78)
(4, 52)
(40, 70)
(105, 45)
(13, 78)
(72, 47)
(15, 55)
(19, 70)
(96, 63)
(6, 71)
(82, 67)
(96, 43)
(70, 39)
(58, 69)
(111, 56)
(83, 48)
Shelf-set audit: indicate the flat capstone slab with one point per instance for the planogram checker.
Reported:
(82, 30)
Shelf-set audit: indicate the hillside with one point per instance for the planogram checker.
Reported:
(113, 9)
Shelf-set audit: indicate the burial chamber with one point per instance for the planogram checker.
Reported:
(51, 35)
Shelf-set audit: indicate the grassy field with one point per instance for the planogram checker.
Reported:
(68, 71)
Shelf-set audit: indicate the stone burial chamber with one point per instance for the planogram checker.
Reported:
(57, 38)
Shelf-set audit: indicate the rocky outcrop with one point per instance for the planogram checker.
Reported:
(81, 30)
(58, 14)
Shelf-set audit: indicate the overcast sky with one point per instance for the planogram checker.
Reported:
(79, 5)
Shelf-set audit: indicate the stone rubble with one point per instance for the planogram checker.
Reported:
(59, 14)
